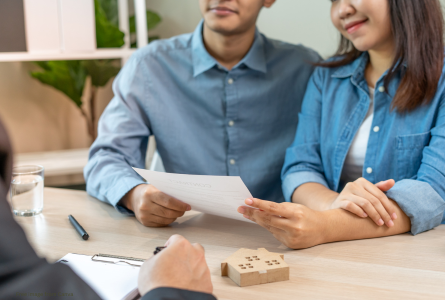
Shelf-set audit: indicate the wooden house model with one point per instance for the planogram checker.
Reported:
(251, 267)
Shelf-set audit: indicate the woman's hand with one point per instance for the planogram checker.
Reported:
(295, 225)
(364, 199)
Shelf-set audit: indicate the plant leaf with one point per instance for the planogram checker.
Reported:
(65, 76)
(101, 71)
(153, 19)
(111, 11)
(107, 34)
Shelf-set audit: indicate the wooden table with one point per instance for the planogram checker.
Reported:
(398, 267)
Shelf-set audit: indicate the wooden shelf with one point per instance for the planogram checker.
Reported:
(120, 53)
(56, 163)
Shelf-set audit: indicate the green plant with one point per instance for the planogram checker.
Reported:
(69, 77)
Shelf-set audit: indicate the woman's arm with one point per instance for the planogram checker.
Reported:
(315, 196)
(298, 226)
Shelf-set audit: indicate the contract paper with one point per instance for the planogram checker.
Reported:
(215, 195)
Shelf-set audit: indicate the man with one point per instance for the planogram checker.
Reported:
(178, 272)
(221, 101)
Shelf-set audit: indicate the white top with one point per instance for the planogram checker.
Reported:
(355, 160)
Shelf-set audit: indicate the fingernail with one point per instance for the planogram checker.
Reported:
(381, 222)
(365, 215)
(394, 216)
(241, 210)
(189, 207)
(246, 216)
(249, 201)
(390, 223)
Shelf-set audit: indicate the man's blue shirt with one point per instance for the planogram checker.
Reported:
(206, 120)
(408, 147)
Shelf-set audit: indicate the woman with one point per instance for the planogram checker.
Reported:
(372, 121)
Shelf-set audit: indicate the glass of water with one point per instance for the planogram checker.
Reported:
(27, 190)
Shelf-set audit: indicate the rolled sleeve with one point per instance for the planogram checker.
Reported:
(292, 181)
(420, 202)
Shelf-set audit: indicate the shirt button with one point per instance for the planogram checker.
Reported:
(232, 162)
(376, 129)
(369, 170)
(381, 89)
(230, 81)
(231, 123)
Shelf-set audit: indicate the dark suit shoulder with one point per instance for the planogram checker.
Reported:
(166, 293)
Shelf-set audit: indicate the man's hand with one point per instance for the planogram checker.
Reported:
(152, 207)
(181, 265)
(364, 199)
(295, 225)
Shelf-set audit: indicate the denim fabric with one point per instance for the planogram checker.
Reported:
(206, 120)
(407, 147)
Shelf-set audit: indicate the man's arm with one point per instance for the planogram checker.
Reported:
(124, 129)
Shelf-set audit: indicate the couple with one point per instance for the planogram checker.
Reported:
(226, 101)
(368, 125)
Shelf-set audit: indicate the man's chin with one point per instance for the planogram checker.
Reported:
(223, 28)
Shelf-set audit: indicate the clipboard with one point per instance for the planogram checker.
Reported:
(112, 277)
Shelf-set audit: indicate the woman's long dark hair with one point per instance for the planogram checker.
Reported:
(417, 26)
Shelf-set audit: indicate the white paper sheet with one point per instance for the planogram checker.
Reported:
(109, 281)
(216, 195)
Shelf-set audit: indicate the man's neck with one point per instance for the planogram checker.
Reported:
(228, 50)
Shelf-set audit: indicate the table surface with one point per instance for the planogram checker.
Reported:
(401, 266)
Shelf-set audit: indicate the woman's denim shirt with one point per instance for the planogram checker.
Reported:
(407, 147)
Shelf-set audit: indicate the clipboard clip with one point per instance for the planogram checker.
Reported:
(115, 259)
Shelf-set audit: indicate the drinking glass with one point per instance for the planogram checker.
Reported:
(27, 190)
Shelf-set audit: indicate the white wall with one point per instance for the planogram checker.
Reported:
(304, 22)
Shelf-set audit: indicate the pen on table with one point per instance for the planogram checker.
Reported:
(78, 228)
(158, 249)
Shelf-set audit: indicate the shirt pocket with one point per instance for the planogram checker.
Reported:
(409, 153)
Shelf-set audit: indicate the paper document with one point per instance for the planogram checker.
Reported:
(216, 195)
(110, 281)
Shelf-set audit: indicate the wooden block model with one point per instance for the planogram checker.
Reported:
(251, 267)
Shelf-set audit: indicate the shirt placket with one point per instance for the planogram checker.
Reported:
(369, 167)
(231, 84)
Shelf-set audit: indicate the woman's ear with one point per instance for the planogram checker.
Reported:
(268, 3)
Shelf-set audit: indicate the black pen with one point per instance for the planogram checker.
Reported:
(158, 249)
(78, 228)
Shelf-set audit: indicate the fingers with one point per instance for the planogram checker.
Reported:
(164, 212)
(174, 239)
(168, 202)
(199, 247)
(269, 207)
(385, 185)
(381, 202)
(353, 208)
(368, 208)
(151, 220)
(264, 219)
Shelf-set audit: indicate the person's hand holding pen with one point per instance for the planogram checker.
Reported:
(180, 265)
(152, 207)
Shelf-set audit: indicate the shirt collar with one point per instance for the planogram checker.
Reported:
(203, 61)
(350, 69)
(357, 67)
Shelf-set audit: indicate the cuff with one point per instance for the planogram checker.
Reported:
(165, 293)
(420, 202)
(292, 181)
(124, 185)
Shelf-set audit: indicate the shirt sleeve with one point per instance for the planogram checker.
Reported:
(423, 198)
(123, 133)
(303, 162)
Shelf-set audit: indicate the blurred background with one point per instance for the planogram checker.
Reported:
(54, 127)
